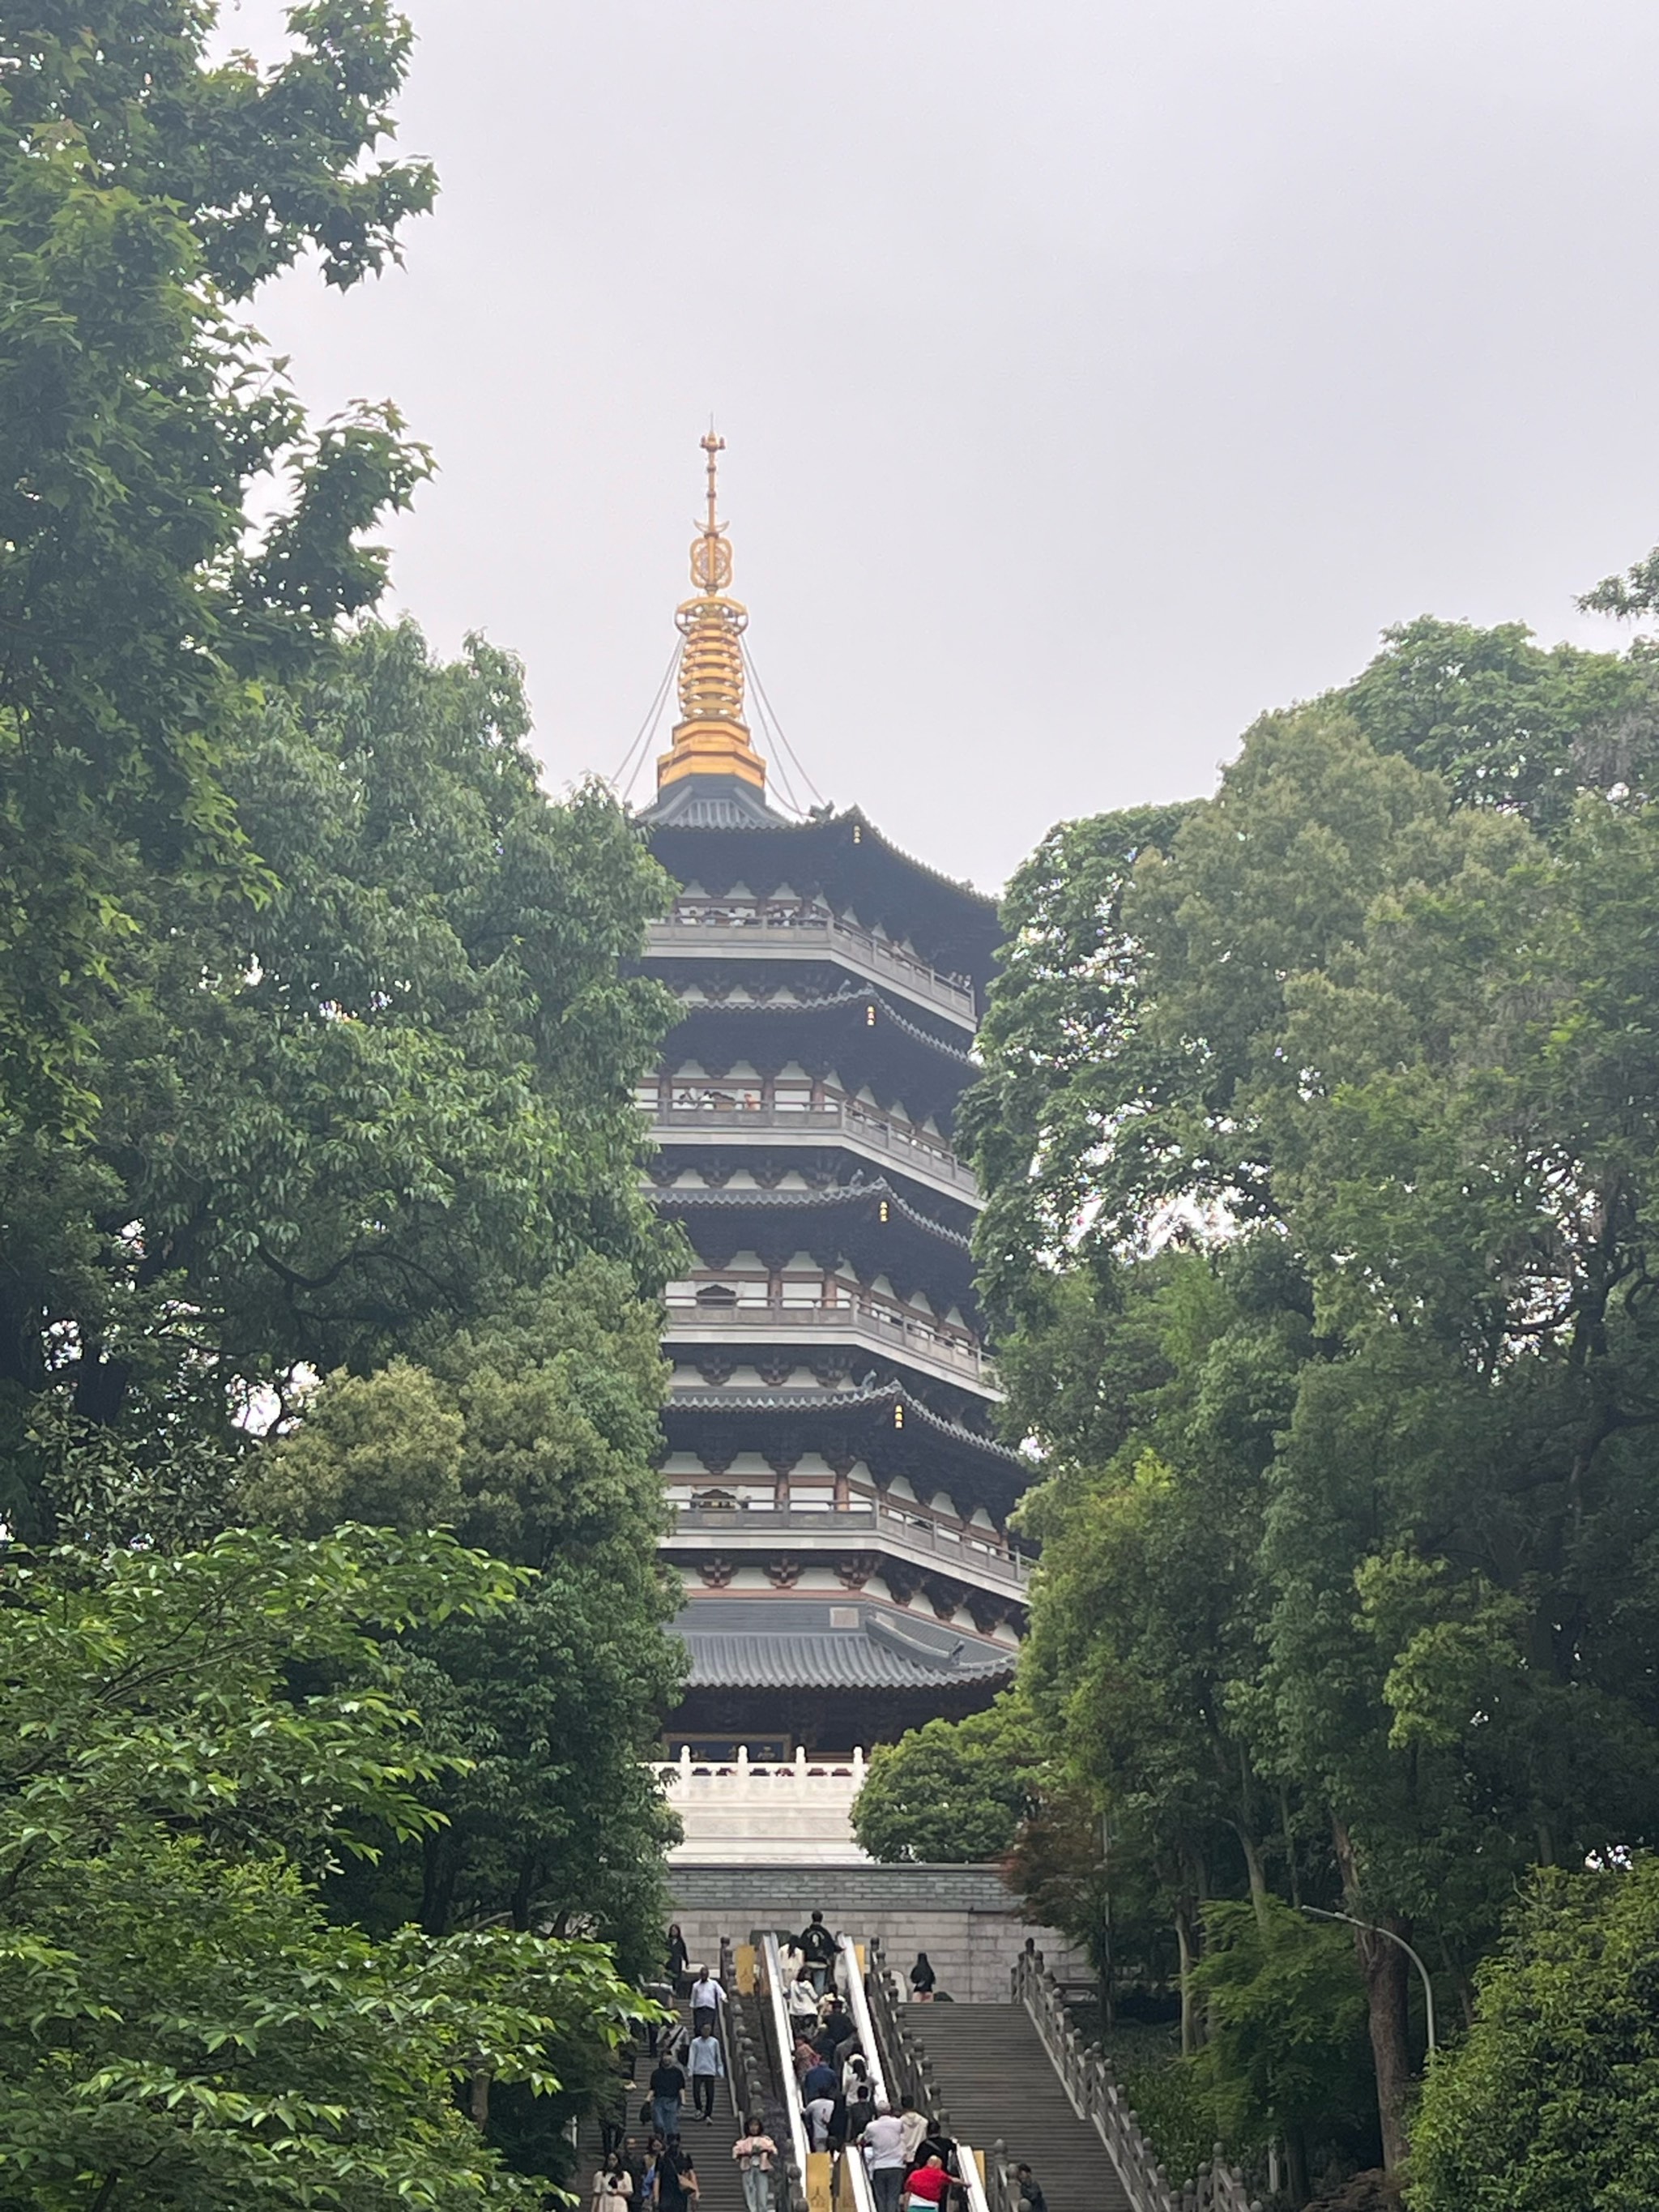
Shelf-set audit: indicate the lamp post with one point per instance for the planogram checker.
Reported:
(1371, 1928)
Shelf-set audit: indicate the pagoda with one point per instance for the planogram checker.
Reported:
(840, 1501)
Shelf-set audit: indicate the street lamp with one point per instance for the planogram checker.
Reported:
(1371, 1927)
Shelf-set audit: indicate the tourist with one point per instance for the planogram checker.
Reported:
(922, 1980)
(705, 2066)
(835, 2029)
(927, 2187)
(806, 2059)
(754, 2151)
(937, 2144)
(1031, 2192)
(817, 1947)
(820, 2110)
(667, 2088)
(883, 2154)
(916, 2126)
(855, 2076)
(860, 2111)
(707, 1998)
(679, 1958)
(819, 2081)
(637, 2163)
(677, 2179)
(613, 2186)
(802, 1999)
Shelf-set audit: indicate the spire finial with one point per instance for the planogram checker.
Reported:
(711, 738)
(711, 556)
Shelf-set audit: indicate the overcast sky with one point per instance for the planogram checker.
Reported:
(1094, 375)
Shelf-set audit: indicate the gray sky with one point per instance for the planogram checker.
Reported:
(1093, 374)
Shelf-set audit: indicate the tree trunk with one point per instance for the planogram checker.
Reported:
(1386, 1972)
(1296, 2162)
(1254, 1868)
(1183, 1928)
(106, 2196)
(437, 1883)
(480, 2101)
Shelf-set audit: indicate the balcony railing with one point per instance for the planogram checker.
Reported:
(705, 1105)
(770, 930)
(864, 1521)
(903, 1335)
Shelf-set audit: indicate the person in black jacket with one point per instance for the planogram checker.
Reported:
(817, 1946)
(1030, 2190)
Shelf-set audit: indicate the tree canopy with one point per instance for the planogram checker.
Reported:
(186, 2024)
(1318, 1136)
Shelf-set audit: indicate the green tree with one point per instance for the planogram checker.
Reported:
(1286, 2056)
(951, 1792)
(144, 193)
(1547, 2105)
(384, 1100)
(534, 1436)
(187, 2026)
(1394, 1045)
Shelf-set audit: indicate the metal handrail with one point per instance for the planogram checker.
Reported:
(788, 2086)
(1086, 2075)
(968, 2172)
(864, 2026)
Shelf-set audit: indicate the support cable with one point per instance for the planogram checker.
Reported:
(628, 765)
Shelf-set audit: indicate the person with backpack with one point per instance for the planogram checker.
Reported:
(817, 1946)
(677, 2189)
(754, 2152)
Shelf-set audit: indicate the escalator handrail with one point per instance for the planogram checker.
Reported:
(789, 2085)
(968, 2174)
(857, 2003)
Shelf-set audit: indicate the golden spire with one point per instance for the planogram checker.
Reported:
(711, 738)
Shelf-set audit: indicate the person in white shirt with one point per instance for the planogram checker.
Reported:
(802, 2000)
(914, 2124)
(882, 2145)
(819, 2113)
(707, 1998)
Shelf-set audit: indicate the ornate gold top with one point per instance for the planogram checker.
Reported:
(711, 738)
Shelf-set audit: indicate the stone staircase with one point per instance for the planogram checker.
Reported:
(997, 2083)
(709, 2144)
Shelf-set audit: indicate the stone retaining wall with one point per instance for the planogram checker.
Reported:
(963, 1917)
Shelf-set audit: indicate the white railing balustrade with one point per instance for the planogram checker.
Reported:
(1087, 2077)
(857, 1314)
(711, 1106)
(712, 921)
(917, 1531)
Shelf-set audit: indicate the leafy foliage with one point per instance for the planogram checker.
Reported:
(383, 1101)
(1317, 1133)
(1547, 2105)
(185, 2021)
(534, 1436)
(145, 192)
(950, 1794)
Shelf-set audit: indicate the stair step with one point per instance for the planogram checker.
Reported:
(998, 2084)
